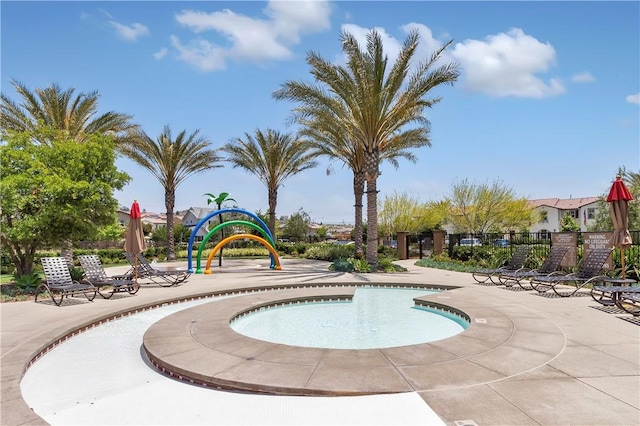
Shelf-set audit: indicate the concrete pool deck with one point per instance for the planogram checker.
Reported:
(525, 359)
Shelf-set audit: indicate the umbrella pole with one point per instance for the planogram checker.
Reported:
(622, 263)
(135, 269)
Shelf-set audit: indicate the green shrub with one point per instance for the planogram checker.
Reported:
(360, 265)
(341, 265)
(27, 281)
(329, 252)
(76, 273)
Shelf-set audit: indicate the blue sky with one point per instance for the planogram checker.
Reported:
(547, 102)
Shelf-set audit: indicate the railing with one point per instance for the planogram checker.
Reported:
(540, 242)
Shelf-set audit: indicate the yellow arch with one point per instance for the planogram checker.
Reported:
(207, 269)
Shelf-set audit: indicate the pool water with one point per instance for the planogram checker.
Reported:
(375, 318)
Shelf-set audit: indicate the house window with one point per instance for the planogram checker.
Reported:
(544, 234)
(573, 213)
(544, 216)
(591, 213)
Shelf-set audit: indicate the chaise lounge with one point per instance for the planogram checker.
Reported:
(550, 266)
(107, 286)
(488, 276)
(164, 278)
(589, 272)
(58, 283)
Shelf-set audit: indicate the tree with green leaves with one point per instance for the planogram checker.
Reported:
(171, 161)
(219, 200)
(479, 208)
(380, 104)
(297, 226)
(569, 224)
(52, 108)
(402, 212)
(55, 108)
(54, 191)
(273, 157)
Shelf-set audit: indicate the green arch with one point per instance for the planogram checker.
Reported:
(229, 223)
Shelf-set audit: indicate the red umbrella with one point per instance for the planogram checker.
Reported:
(134, 242)
(619, 196)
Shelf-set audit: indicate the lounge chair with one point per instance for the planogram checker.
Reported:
(58, 283)
(612, 289)
(490, 276)
(164, 278)
(550, 266)
(589, 272)
(629, 301)
(107, 286)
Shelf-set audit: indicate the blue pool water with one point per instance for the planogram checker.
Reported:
(375, 318)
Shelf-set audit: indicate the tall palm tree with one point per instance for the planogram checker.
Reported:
(172, 161)
(59, 109)
(327, 135)
(380, 103)
(273, 157)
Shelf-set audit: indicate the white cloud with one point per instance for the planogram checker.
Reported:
(248, 38)
(583, 77)
(634, 99)
(507, 64)
(130, 32)
(200, 54)
(392, 46)
(161, 53)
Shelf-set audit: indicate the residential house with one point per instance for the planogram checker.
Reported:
(194, 215)
(551, 211)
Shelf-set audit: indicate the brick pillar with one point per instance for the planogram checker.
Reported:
(438, 241)
(402, 245)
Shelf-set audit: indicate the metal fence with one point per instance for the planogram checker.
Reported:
(540, 243)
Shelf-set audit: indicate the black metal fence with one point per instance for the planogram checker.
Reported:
(540, 243)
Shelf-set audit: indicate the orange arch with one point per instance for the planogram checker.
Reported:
(207, 269)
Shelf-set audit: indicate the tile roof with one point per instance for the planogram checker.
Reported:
(564, 204)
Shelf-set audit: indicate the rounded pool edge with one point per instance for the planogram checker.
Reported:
(199, 346)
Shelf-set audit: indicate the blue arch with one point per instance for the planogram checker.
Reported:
(216, 213)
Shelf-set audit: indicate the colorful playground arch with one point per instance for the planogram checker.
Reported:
(261, 223)
(220, 226)
(264, 242)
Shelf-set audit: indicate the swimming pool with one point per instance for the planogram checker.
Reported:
(376, 317)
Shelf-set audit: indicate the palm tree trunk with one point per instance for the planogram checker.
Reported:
(169, 203)
(372, 224)
(358, 192)
(273, 201)
(371, 164)
(66, 251)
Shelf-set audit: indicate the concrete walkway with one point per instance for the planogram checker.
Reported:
(525, 359)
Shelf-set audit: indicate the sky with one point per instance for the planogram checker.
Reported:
(547, 102)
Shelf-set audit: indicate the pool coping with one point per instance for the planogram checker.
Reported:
(240, 363)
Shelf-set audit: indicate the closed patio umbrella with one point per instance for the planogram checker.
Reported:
(134, 242)
(618, 199)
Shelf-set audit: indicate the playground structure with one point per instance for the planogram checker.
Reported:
(262, 228)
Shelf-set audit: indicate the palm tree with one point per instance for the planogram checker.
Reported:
(327, 135)
(171, 161)
(379, 104)
(54, 109)
(58, 109)
(273, 157)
